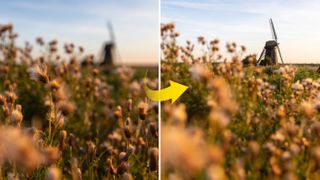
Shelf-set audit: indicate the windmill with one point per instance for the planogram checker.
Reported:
(269, 55)
(109, 48)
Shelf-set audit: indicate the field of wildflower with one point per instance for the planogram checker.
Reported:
(237, 120)
(65, 117)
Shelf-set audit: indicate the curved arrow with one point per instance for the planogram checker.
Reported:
(173, 92)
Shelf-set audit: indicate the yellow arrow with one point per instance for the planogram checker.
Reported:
(173, 92)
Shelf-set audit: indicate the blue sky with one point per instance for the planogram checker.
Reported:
(297, 24)
(84, 23)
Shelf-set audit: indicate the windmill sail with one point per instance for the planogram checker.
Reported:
(273, 31)
(112, 37)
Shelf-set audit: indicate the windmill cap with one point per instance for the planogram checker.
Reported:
(271, 43)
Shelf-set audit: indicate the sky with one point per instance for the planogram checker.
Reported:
(297, 24)
(135, 22)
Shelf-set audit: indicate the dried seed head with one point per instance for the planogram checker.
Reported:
(127, 176)
(39, 72)
(3, 100)
(10, 97)
(16, 116)
(317, 106)
(71, 140)
(40, 41)
(59, 95)
(66, 108)
(53, 173)
(6, 111)
(63, 137)
(129, 105)
(128, 128)
(307, 109)
(59, 120)
(112, 169)
(54, 84)
(316, 153)
(91, 147)
(141, 142)
(76, 174)
(153, 129)
(216, 172)
(130, 149)
(179, 115)
(123, 156)
(153, 158)
(143, 110)
(51, 155)
(123, 167)
(281, 113)
(118, 113)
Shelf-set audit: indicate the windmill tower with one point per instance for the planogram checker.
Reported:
(109, 49)
(271, 50)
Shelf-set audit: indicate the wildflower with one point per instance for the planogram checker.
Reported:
(39, 72)
(153, 129)
(128, 128)
(153, 158)
(129, 105)
(143, 110)
(216, 172)
(40, 41)
(58, 120)
(76, 174)
(219, 119)
(201, 40)
(307, 109)
(281, 112)
(66, 108)
(200, 72)
(53, 174)
(180, 151)
(81, 49)
(51, 155)
(243, 48)
(16, 116)
(130, 150)
(123, 156)
(59, 94)
(54, 84)
(91, 147)
(19, 149)
(179, 115)
(127, 176)
(63, 137)
(118, 113)
(112, 169)
(135, 88)
(123, 167)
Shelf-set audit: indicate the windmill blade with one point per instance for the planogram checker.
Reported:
(260, 58)
(110, 28)
(273, 31)
(280, 54)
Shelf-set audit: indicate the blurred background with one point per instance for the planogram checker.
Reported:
(134, 22)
